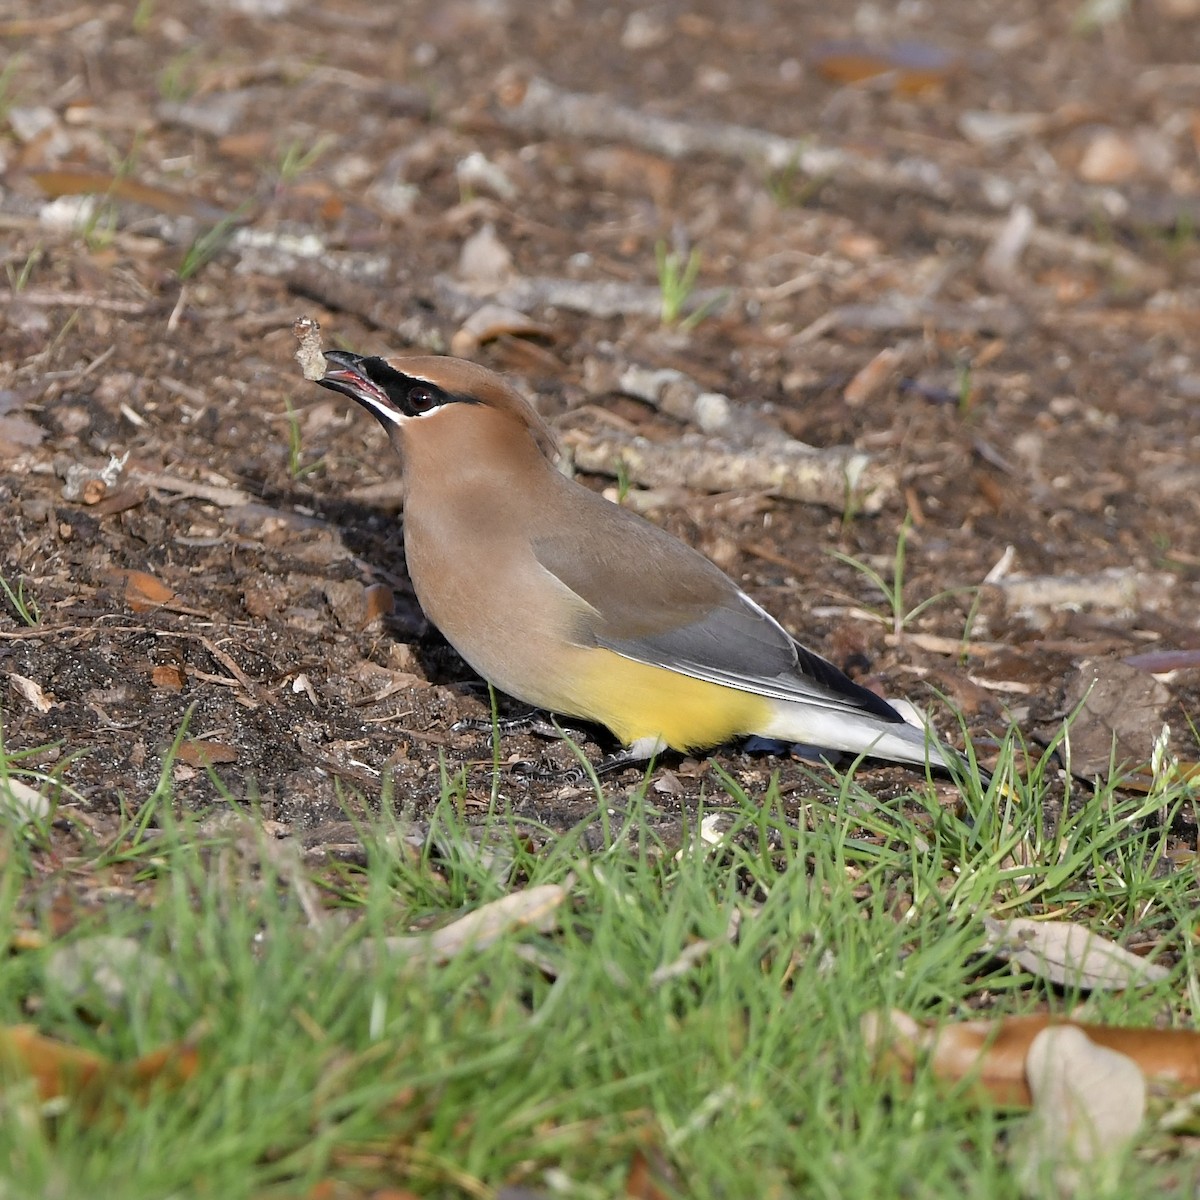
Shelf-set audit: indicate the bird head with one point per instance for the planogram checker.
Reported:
(418, 397)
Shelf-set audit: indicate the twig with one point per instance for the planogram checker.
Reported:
(136, 308)
(224, 497)
(603, 298)
(1052, 243)
(679, 396)
(838, 478)
(1114, 588)
(904, 313)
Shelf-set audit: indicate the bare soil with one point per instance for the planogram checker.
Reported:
(253, 167)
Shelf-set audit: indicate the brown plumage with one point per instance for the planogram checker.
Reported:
(576, 605)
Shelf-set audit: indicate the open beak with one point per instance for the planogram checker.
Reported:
(344, 373)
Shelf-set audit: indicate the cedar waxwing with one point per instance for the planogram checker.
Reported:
(570, 603)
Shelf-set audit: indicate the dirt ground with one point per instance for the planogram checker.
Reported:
(978, 267)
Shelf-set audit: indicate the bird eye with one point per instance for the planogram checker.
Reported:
(421, 400)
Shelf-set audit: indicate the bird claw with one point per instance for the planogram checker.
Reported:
(565, 776)
(530, 723)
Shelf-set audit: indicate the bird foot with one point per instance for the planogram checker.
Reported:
(547, 773)
(530, 723)
(576, 776)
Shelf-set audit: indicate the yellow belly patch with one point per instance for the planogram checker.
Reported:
(638, 701)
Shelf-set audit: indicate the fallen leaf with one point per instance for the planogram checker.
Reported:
(912, 67)
(1145, 780)
(100, 183)
(60, 1070)
(351, 603)
(875, 376)
(640, 1183)
(1069, 954)
(1119, 711)
(990, 1055)
(143, 593)
(198, 753)
(1164, 662)
(309, 354)
(169, 676)
(1088, 1104)
(484, 262)
(380, 601)
(491, 321)
(57, 1069)
(32, 692)
(695, 952)
(20, 804)
(532, 908)
(120, 501)
(1110, 157)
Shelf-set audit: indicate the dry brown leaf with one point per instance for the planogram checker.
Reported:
(1121, 711)
(874, 377)
(1069, 954)
(1145, 780)
(120, 501)
(912, 68)
(485, 263)
(143, 593)
(380, 601)
(990, 1055)
(169, 676)
(198, 753)
(101, 183)
(61, 1070)
(640, 1183)
(1088, 1104)
(56, 1068)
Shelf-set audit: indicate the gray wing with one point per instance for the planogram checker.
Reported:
(744, 647)
(651, 598)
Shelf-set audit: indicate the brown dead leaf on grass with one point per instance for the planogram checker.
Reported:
(62, 1071)
(990, 1056)
(1144, 780)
